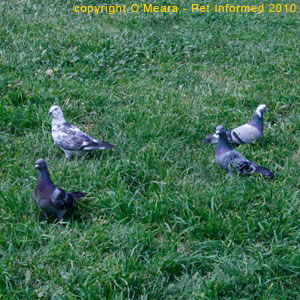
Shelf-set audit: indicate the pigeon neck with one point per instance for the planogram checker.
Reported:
(223, 144)
(44, 176)
(257, 122)
(58, 122)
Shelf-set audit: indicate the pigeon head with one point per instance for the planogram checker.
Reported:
(220, 129)
(223, 143)
(41, 164)
(56, 113)
(262, 108)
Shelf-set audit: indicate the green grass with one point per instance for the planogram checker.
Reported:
(161, 220)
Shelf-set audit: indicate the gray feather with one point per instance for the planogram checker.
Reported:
(70, 138)
(50, 198)
(233, 161)
(244, 134)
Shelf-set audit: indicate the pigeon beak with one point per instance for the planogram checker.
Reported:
(36, 166)
(217, 132)
(50, 113)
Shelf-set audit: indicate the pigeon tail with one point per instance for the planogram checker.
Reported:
(210, 139)
(78, 195)
(264, 171)
(97, 145)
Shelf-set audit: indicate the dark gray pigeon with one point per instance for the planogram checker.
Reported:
(232, 161)
(50, 198)
(70, 138)
(246, 133)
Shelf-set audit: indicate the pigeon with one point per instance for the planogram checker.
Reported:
(70, 138)
(246, 133)
(49, 197)
(231, 160)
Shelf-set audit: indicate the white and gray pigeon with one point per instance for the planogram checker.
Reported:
(232, 161)
(70, 138)
(49, 197)
(246, 133)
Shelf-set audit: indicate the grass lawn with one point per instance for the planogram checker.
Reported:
(161, 220)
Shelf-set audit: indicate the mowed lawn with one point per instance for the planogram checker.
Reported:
(161, 220)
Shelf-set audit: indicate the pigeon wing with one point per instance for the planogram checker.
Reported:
(245, 134)
(70, 137)
(62, 199)
(239, 162)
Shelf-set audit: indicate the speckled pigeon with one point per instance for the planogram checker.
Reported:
(232, 161)
(246, 133)
(70, 138)
(50, 198)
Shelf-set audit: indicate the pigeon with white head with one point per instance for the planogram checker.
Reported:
(70, 138)
(244, 134)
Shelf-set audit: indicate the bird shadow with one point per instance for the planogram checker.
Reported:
(73, 215)
(98, 154)
(90, 155)
(264, 177)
